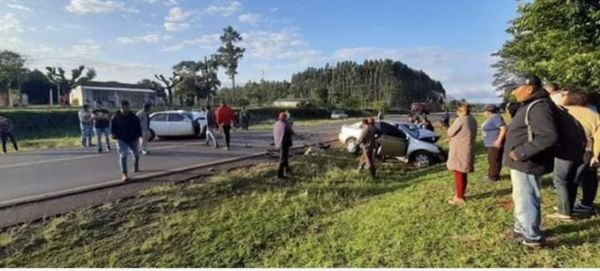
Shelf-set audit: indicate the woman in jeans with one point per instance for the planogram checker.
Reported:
(576, 103)
(461, 156)
(493, 131)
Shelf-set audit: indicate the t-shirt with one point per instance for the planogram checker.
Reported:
(101, 118)
(491, 129)
(85, 116)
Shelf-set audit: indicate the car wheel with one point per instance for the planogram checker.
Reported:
(422, 159)
(152, 135)
(351, 145)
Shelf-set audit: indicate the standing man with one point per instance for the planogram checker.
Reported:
(85, 123)
(529, 154)
(126, 129)
(380, 115)
(446, 119)
(245, 118)
(211, 123)
(6, 127)
(144, 117)
(367, 143)
(282, 134)
(101, 118)
(225, 118)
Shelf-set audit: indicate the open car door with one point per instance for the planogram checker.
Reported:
(393, 141)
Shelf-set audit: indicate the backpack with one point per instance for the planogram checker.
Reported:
(571, 136)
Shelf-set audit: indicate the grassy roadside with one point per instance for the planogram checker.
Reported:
(327, 215)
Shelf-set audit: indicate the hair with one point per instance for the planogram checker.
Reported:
(552, 87)
(493, 110)
(85, 106)
(208, 107)
(147, 106)
(464, 107)
(365, 121)
(124, 103)
(575, 97)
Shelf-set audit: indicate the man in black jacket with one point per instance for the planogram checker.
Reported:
(126, 129)
(529, 154)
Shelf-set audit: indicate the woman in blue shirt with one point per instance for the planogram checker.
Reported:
(493, 130)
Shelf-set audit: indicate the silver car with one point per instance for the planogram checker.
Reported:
(395, 142)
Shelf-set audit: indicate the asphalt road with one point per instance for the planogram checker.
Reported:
(28, 174)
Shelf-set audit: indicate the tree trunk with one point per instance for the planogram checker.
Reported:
(170, 98)
(233, 86)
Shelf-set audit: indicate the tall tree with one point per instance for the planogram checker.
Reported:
(37, 86)
(556, 39)
(154, 85)
(12, 69)
(169, 83)
(229, 53)
(57, 76)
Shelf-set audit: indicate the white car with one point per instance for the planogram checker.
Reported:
(337, 114)
(394, 142)
(177, 123)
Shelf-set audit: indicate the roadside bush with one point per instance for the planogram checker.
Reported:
(31, 124)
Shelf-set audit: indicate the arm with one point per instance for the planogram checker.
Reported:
(362, 136)
(113, 128)
(455, 127)
(544, 130)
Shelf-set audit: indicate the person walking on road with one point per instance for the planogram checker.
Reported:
(528, 152)
(85, 123)
(126, 129)
(6, 128)
(244, 118)
(144, 117)
(101, 119)
(461, 155)
(367, 143)
(211, 124)
(225, 118)
(282, 135)
(493, 130)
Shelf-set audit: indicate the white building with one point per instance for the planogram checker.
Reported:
(111, 94)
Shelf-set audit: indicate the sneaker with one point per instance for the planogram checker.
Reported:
(532, 243)
(559, 216)
(583, 209)
(124, 178)
(144, 152)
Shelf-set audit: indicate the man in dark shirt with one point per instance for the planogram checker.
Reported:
(101, 118)
(126, 129)
(367, 143)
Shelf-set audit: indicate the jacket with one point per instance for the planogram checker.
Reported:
(6, 125)
(535, 157)
(224, 116)
(461, 154)
(367, 137)
(126, 127)
(282, 134)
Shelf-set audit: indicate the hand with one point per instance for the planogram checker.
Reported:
(595, 162)
(513, 156)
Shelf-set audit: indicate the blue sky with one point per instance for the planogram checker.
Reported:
(128, 40)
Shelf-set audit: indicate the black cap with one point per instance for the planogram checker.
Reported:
(529, 80)
(125, 103)
(490, 108)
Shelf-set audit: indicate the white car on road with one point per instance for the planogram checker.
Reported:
(338, 114)
(394, 142)
(177, 123)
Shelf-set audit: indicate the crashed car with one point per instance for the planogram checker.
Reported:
(397, 141)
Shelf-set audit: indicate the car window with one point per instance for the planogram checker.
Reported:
(159, 117)
(389, 130)
(412, 130)
(176, 117)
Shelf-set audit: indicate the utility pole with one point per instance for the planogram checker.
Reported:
(51, 98)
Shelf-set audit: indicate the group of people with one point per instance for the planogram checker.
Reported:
(551, 130)
(423, 123)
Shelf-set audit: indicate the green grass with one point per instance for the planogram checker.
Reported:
(327, 215)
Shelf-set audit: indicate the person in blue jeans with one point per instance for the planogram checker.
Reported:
(126, 129)
(529, 154)
(85, 123)
(101, 118)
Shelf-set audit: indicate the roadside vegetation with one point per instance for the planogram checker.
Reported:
(326, 215)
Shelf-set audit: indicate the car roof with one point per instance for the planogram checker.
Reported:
(172, 111)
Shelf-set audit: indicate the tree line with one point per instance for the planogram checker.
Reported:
(373, 84)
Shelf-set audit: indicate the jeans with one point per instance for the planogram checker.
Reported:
(125, 147)
(564, 177)
(495, 163)
(226, 134)
(284, 163)
(144, 140)
(8, 135)
(527, 199)
(210, 135)
(99, 133)
(86, 134)
(587, 177)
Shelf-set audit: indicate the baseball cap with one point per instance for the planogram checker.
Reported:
(529, 80)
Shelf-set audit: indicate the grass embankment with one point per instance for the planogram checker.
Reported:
(326, 215)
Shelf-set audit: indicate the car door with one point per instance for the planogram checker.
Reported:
(159, 124)
(394, 142)
(180, 125)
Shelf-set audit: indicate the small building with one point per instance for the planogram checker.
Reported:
(111, 94)
(291, 103)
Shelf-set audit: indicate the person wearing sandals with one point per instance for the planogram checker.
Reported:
(461, 155)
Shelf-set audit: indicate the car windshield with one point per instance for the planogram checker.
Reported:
(188, 115)
(411, 129)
